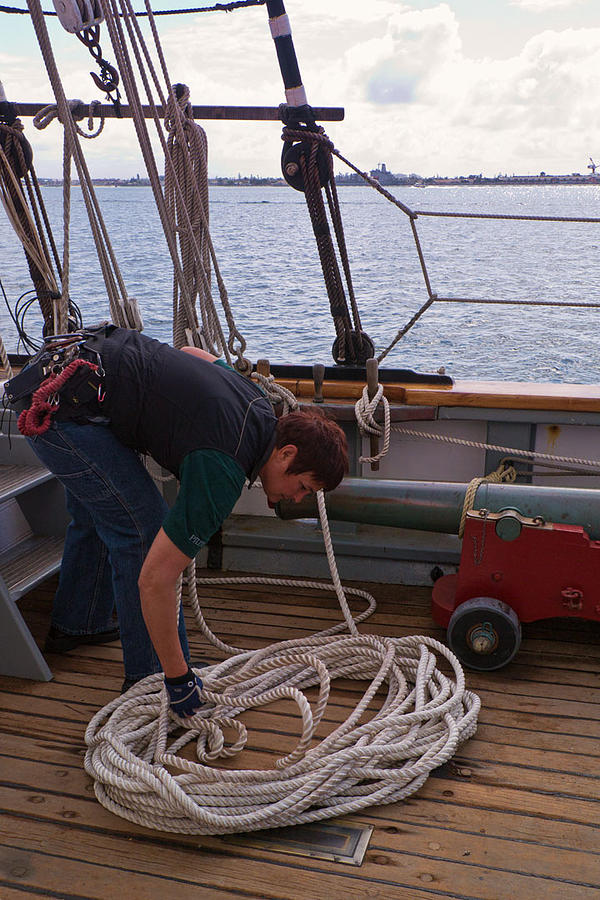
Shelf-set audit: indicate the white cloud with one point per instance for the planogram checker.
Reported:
(413, 96)
(542, 6)
(423, 105)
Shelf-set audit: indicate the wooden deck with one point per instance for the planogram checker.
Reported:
(515, 815)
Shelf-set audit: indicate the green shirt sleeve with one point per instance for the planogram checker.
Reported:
(210, 484)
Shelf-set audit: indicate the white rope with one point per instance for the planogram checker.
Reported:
(364, 410)
(5, 366)
(511, 451)
(365, 417)
(135, 741)
(500, 476)
(276, 393)
(425, 716)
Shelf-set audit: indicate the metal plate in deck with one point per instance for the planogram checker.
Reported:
(338, 843)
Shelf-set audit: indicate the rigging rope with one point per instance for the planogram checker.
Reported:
(16, 167)
(218, 7)
(433, 297)
(135, 741)
(118, 15)
(276, 393)
(77, 107)
(365, 417)
(123, 309)
(313, 151)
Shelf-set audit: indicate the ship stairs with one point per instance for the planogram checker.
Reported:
(33, 520)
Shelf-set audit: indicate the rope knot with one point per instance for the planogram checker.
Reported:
(15, 128)
(502, 474)
(276, 393)
(179, 107)
(78, 112)
(365, 409)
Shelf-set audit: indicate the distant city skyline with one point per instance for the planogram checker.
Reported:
(453, 87)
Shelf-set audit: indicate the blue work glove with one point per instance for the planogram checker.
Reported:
(183, 693)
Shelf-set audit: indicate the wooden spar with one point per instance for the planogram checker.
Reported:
(249, 113)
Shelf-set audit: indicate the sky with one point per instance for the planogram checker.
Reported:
(453, 88)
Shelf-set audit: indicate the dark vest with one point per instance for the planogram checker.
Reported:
(167, 403)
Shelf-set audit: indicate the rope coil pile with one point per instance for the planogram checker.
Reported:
(424, 717)
(384, 758)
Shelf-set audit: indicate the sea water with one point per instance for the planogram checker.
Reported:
(268, 259)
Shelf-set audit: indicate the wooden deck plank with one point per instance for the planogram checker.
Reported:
(58, 776)
(61, 772)
(60, 785)
(205, 872)
(508, 860)
(515, 814)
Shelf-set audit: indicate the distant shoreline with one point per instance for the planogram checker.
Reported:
(356, 181)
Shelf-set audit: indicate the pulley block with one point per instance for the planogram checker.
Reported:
(291, 166)
(77, 15)
(362, 348)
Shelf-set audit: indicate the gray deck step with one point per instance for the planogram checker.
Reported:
(16, 479)
(27, 565)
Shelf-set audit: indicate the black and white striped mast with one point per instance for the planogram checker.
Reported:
(281, 33)
(307, 166)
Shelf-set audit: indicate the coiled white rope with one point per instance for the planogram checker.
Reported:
(134, 743)
(424, 717)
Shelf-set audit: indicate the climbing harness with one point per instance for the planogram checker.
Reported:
(46, 400)
(65, 376)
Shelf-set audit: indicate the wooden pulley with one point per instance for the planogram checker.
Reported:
(78, 15)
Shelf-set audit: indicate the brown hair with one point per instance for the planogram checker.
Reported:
(321, 444)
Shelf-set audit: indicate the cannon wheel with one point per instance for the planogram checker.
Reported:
(484, 633)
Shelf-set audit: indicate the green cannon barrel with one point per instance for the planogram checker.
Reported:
(437, 506)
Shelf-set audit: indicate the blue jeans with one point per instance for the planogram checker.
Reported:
(116, 513)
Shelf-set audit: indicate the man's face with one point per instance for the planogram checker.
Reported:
(278, 484)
